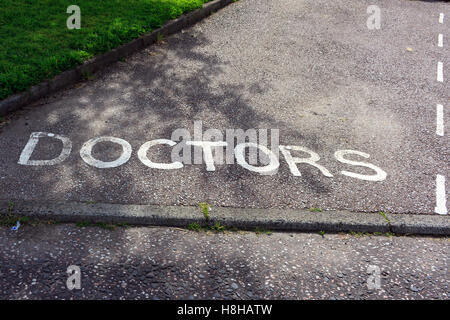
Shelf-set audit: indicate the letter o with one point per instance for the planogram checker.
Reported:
(86, 153)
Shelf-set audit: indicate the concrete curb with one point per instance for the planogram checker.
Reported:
(242, 218)
(97, 63)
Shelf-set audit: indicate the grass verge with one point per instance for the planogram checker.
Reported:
(37, 45)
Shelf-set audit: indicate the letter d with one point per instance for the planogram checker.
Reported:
(32, 142)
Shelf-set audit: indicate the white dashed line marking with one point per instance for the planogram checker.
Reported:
(440, 120)
(441, 200)
(441, 206)
(440, 72)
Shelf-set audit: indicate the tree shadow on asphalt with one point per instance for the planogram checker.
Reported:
(162, 88)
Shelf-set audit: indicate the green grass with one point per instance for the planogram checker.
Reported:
(11, 220)
(359, 234)
(262, 231)
(37, 45)
(103, 225)
(220, 228)
(194, 227)
(383, 214)
(205, 210)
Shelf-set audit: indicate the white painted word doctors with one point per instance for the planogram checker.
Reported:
(208, 148)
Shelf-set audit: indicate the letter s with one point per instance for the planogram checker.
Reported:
(379, 176)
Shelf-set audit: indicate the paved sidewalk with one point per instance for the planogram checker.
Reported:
(170, 263)
(311, 69)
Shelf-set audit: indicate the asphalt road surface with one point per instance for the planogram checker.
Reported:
(169, 263)
(311, 69)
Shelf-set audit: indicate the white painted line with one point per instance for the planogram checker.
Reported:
(441, 18)
(440, 72)
(439, 119)
(441, 206)
(440, 40)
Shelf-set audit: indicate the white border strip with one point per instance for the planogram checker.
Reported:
(440, 72)
(439, 119)
(441, 202)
